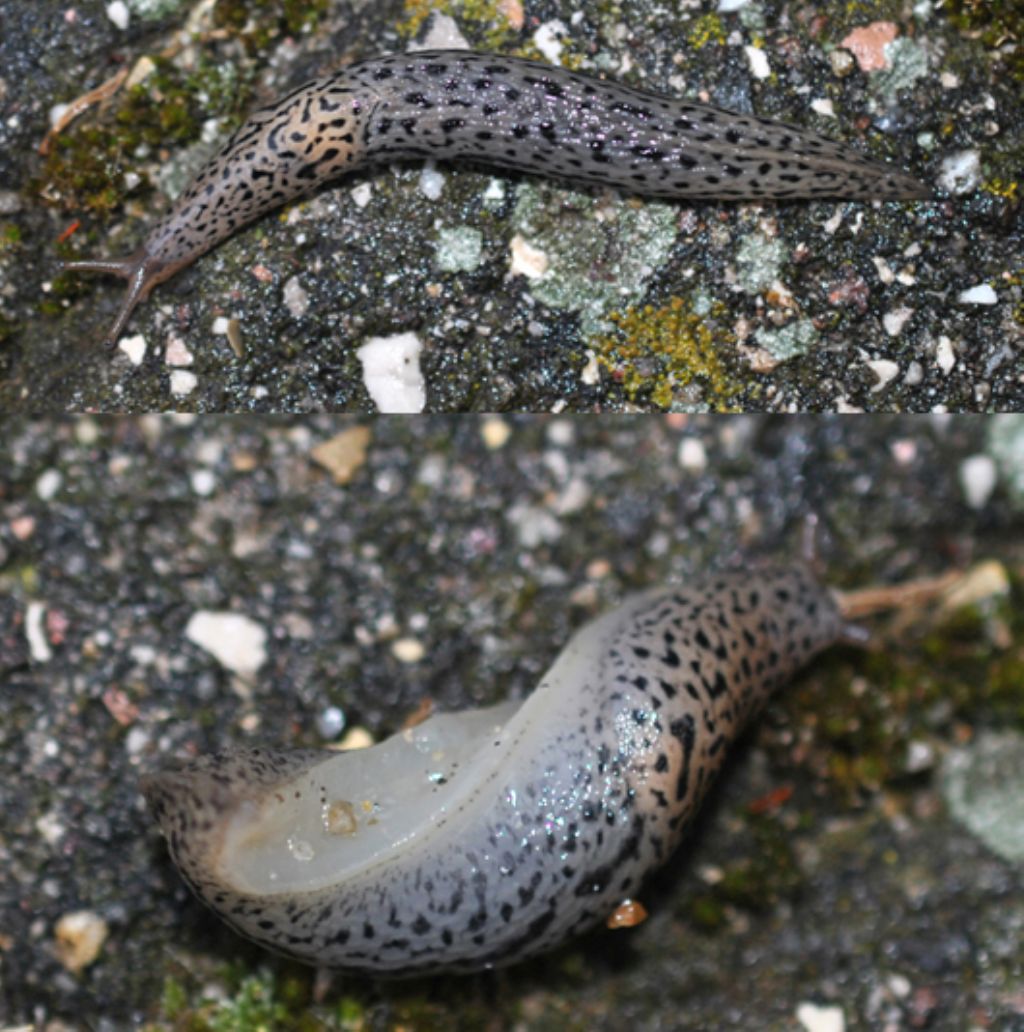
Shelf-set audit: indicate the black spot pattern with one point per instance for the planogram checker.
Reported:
(610, 759)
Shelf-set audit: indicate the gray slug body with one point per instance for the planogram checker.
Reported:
(505, 112)
(485, 837)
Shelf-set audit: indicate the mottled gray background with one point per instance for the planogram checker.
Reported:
(488, 542)
(867, 298)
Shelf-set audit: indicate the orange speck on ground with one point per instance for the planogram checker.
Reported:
(867, 44)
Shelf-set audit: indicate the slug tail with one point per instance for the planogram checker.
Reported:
(142, 271)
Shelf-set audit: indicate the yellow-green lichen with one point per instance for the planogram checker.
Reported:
(708, 28)
(659, 351)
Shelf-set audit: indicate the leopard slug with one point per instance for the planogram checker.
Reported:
(480, 838)
(499, 111)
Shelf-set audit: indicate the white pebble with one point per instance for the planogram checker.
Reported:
(362, 194)
(692, 455)
(945, 356)
(119, 14)
(495, 432)
(431, 182)
(982, 294)
(548, 39)
(823, 106)
(885, 370)
(527, 260)
(391, 372)
(331, 722)
(134, 348)
(48, 484)
(961, 172)
(220, 325)
(978, 479)
(820, 1019)
(728, 6)
(50, 829)
(296, 297)
(408, 650)
(183, 383)
(758, 60)
(35, 633)
(80, 936)
(203, 482)
(177, 353)
(534, 526)
(895, 320)
(920, 757)
(233, 639)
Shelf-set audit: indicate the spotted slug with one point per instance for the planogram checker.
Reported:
(499, 111)
(480, 838)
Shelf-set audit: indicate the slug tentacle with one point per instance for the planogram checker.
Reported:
(143, 272)
(479, 838)
(507, 113)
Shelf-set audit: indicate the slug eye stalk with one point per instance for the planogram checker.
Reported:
(143, 272)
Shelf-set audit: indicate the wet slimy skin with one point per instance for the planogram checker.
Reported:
(484, 837)
(503, 112)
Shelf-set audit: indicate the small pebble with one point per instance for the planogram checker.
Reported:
(203, 482)
(134, 347)
(961, 172)
(48, 484)
(885, 370)
(362, 194)
(408, 650)
(527, 260)
(867, 44)
(391, 373)
(238, 643)
(177, 353)
(35, 633)
(183, 383)
(356, 738)
(495, 433)
(119, 14)
(344, 454)
(692, 455)
(945, 356)
(820, 1019)
(548, 39)
(330, 722)
(982, 294)
(296, 297)
(80, 936)
(895, 320)
(978, 478)
(758, 61)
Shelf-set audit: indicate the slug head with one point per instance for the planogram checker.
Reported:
(142, 270)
